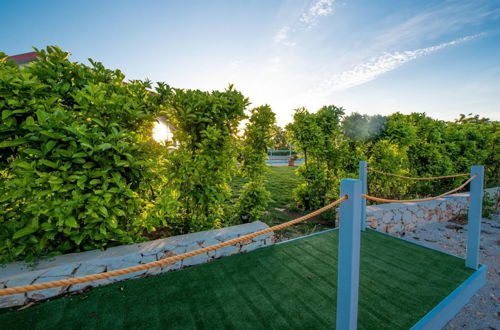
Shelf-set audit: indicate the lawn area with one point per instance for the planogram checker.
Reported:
(287, 286)
(280, 181)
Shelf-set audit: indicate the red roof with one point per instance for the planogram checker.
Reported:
(24, 58)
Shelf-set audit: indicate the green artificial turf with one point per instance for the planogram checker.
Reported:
(287, 286)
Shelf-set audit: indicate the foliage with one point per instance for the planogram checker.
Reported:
(199, 171)
(316, 135)
(413, 145)
(363, 127)
(280, 140)
(256, 141)
(75, 154)
(491, 204)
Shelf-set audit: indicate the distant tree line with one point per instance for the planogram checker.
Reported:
(414, 145)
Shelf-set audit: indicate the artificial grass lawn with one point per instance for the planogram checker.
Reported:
(285, 286)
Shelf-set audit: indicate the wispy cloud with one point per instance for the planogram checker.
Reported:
(235, 64)
(318, 9)
(376, 66)
(307, 20)
(281, 37)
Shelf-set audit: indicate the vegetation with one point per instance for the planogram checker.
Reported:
(316, 135)
(413, 145)
(257, 139)
(280, 140)
(77, 164)
(79, 169)
(199, 171)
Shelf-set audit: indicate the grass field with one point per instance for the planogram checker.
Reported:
(287, 286)
(280, 181)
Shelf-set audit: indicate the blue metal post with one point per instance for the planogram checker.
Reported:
(364, 188)
(348, 257)
(475, 214)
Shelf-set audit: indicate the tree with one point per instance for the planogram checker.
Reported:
(258, 137)
(315, 135)
(280, 140)
(200, 169)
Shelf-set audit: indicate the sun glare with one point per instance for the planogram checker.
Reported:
(161, 133)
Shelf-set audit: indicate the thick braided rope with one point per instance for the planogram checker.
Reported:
(133, 269)
(383, 200)
(417, 179)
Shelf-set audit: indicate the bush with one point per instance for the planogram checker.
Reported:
(197, 192)
(76, 155)
(256, 141)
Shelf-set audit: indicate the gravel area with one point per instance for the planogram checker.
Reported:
(483, 310)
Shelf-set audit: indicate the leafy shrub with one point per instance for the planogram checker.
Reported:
(316, 135)
(315, 191)
(77, 168)
(280, 140)
(253, 201)
(256, 141)
(491, 204)
(198, 172)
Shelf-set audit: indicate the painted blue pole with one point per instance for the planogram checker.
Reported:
(475, 214)
(348, 257)
(364, 188)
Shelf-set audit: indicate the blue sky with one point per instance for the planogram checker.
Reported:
(373, 57)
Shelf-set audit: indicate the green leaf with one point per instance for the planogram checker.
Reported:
(12, 143)
(6, 114)
(23, 165)
(29, 229)
(29, 122)
(49, 146)
(41, 116)
(104, 146)
(48, 163)
(95, 181)
(55, 180)
(33, 152)
(103, 210)
(71, 222)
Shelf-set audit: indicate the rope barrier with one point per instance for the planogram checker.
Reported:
(417, 179)
(133, 269)
(383, 200)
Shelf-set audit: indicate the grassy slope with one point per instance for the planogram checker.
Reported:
(289, 286)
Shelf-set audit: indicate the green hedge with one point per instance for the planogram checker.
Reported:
(77, 162)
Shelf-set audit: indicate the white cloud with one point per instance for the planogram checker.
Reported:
(317, 9)
(307, 20)
(282, 37)
(374, 67)
(235, 64)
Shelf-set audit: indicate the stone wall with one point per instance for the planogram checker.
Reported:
(93, 262)
(400, 218)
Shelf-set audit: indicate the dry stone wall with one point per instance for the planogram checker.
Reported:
(402, 218)
(93, 262)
